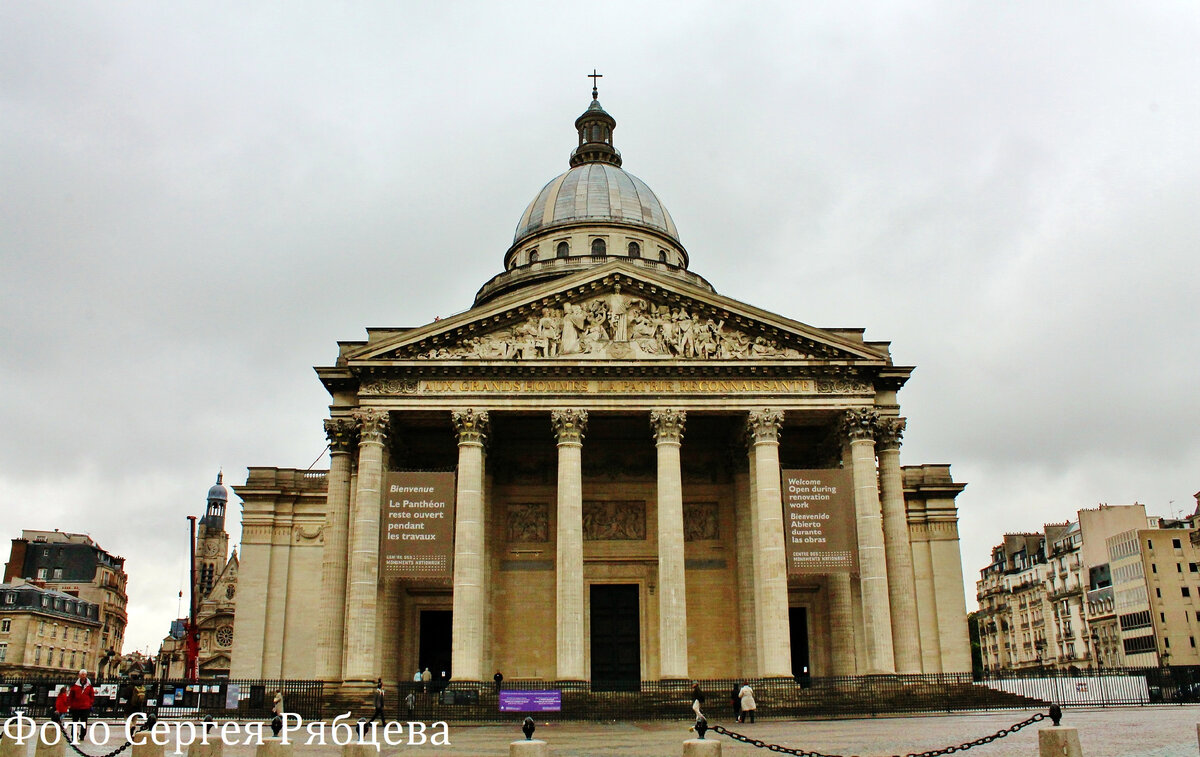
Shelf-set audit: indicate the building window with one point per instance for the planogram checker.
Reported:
(1166, 642)
(42, 573)
(54, 631)
(62, 657)
(3, 651)
(1149, 545)
(598, 247)
(10, 599)
(1192, 568)
(563, 250)
(1178, 567)
(72, 658)
(533, 256)
(58, 574)
(5, 625)
(662, 256)
(1187, 592)
(37, 655)
(42, 627)
(635, 250)
(1176, 544)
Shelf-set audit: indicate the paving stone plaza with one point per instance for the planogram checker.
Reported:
(1125, 732)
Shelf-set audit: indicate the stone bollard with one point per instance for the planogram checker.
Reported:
(528, 748)
(214, 748)
(42, 749)
(701, 748)
(273, 747)
(10, 748)
(144, 746)
(1059, 741)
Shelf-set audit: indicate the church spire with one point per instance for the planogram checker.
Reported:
(595, 129)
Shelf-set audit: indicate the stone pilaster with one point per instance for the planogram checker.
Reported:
(569, 427)
(902, 588)
(672, 586)
(470, 602)
(841, 624)
(363, 583)
(774, 635)
(859, 425)
(343, 435)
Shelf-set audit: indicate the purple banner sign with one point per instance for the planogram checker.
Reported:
(549, 700)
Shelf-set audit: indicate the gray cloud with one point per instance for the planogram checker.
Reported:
(201, 199)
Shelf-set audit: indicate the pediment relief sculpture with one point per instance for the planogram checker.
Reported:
(616, 326)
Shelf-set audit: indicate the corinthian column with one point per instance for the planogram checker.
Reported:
(342, 433)
(569, 427)
(470, 604)
(872, 566)
(672, 586)
(361, 594)
(902, 586)
(774, 633)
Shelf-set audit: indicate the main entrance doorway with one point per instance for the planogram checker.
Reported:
(616, 638)
(434, 650)
(798, 618)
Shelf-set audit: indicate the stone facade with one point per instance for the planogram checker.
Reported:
(618, 430)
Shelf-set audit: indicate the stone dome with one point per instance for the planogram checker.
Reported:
(218, 491)
(595, 193)
(592, 214)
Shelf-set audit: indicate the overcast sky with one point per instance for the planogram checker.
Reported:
(197, 200)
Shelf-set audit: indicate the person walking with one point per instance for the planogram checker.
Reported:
(697, 703)
(426, 677)
(410, 702)
(746, 695)
(62, 703)
(81, 698)
(377, 701)
(736, 702)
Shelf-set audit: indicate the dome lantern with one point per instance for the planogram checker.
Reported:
(595, 129)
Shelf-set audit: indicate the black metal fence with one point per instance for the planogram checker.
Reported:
(805, 698)
(221, 698)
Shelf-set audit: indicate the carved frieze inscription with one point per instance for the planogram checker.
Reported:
(614, 520)
(621, 386)
(528, 522)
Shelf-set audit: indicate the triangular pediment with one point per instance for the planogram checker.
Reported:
(617, 312)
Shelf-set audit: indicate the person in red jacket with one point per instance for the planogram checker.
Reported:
(62, 702)
(81, 698)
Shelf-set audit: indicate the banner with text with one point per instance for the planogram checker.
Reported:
(418, 524)
(818, 511)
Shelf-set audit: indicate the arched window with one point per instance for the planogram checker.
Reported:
(564, 250)
(635, 250)
(662, 256)
(598, 247)
(533, 256)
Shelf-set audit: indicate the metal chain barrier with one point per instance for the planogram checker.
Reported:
(931, 753)
(62, 730)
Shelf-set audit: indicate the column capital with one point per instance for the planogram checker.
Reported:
(569, 425)
(667, 424)
(859, 423)
(372, 424)
(342, 434)
(471, 425)
(763, 424)
(888, 432)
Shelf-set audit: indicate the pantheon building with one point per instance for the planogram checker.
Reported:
(603, 471)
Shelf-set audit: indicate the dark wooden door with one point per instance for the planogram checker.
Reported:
(616, 638)
(799, 622)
